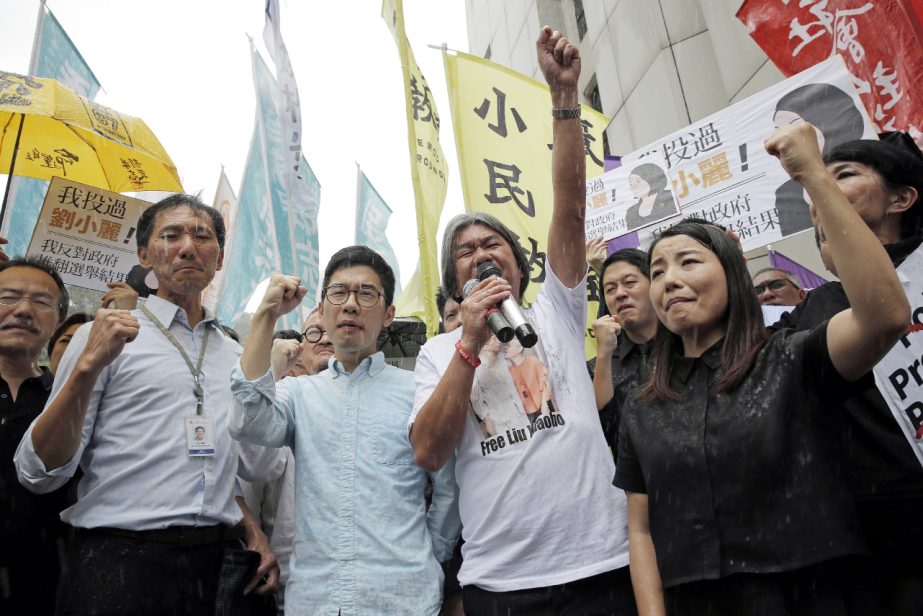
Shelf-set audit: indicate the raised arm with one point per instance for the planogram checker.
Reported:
(282, 295)
(560, 64)
(57, 432)
(856, 338)
(606, 329)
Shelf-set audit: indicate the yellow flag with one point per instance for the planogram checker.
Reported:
(428, 170)
(503, 134)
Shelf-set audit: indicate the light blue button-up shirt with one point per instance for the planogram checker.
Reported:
(364, 542)
(136, 471)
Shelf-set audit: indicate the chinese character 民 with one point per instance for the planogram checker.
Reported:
(504, 178)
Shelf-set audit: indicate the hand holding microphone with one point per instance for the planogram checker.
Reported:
(510, 310)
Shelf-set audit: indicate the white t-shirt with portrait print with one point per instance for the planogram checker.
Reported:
(534, 472)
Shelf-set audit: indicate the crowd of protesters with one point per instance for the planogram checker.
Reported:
(705, 464)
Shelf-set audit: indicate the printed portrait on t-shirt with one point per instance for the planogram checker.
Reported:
(511, 391)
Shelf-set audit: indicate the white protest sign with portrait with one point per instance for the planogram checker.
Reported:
(899, 375)
(628, 198)
(87, 234)
(720, 171)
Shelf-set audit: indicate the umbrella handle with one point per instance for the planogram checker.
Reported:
(9, 179)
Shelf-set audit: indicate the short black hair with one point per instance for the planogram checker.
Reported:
(287, 334)
(149, 217)
(362, 255)
(632, 256)
(43, 264)
(74, 319)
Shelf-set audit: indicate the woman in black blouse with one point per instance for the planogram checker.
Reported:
(736, 502)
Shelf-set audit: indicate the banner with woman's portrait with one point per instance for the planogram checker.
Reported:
(718, 169)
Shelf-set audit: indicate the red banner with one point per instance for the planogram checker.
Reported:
(881, 42)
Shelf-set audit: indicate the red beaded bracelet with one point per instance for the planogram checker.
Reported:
(474, 362)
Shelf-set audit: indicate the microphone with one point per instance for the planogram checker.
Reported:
(497, 323)
(525, 333)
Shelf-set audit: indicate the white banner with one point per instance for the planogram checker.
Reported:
(226, 204)
(290, 103)
(88, 234)
(720, 171)
(899, 375)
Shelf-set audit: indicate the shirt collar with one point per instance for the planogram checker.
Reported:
(374, 364)
(167, 311)
(626, 346)
(899, 251)
(683, 366)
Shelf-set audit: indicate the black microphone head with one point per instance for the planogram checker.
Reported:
(488, 269)
(469, 287)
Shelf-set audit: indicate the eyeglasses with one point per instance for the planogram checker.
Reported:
(40, 304)
(313, 334)
(772, 285)
(338, 294)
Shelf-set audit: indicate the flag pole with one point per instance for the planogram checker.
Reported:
(9, 179)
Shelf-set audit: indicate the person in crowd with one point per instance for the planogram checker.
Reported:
(835, 118)
(736, 501)
(777, 287)
(648, 184)
(364, 541)
(152, 505)
(884, 183)
(285, 342)
(449, 312)
(544, 530)
(32, 301)
(120, 295)
(3, 256)
(622, 337)
(61, 337)
(271, 498)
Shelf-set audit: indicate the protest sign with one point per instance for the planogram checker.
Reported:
(87, 234)
(885, 68)
(720, 171)
(629, 198)
(899, 375)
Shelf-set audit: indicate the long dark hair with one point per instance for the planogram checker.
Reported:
(744, 333)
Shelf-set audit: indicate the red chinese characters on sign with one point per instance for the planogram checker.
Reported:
(881, 42)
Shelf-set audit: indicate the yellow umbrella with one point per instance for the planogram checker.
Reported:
(49, 130)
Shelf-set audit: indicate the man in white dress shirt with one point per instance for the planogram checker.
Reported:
(157, 515)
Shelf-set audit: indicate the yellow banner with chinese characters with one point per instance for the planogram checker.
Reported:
(503, 133)
(429, 172)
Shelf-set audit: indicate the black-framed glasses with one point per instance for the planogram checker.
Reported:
(313, 334)
(772, 285)
(338, 294)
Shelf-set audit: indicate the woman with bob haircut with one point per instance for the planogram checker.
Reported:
(648, 184)
(886, 179)
(736, 502)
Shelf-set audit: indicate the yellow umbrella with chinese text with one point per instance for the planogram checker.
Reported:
(49, 130)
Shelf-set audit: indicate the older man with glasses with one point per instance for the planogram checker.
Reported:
(777, 287)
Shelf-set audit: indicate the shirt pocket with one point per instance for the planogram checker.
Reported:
(391, 442)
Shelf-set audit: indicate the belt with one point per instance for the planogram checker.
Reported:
(185, 536)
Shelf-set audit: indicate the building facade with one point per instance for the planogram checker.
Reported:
(653, 66)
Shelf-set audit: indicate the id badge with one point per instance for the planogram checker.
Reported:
(200, 436)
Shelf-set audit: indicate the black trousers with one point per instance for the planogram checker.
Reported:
(606, 594)
(121, 575)
(838, 587)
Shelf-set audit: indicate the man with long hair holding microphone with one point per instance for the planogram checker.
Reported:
(544, 529)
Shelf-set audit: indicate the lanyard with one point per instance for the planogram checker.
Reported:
(195, 372)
